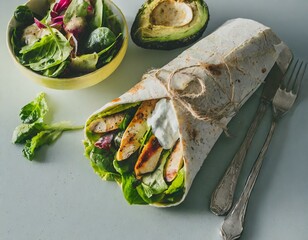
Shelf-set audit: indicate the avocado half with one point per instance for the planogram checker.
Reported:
(169, 24)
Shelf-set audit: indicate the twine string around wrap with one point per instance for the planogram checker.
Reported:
(213, 116)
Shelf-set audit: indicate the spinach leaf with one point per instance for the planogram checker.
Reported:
(99, 39)
(145, 138)
(16, 42)
(174, 197)
(56, 70)
(35, 110)
(88, 62)
(123, 166)
(127, 165)
(50, 51)
(39, 50)
(110, 47)
(23, 15)
(127, 118)
(109, 53)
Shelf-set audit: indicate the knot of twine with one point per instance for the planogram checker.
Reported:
(214, 115)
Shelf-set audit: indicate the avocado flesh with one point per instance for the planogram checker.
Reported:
(169, 24)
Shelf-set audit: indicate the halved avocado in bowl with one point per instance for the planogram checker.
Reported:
(169, 24)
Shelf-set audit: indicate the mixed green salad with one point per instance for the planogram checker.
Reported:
(123, 146)
(73, 38)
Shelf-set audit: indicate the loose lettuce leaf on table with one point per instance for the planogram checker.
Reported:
(33, 132)
(37, 134)
(26, 131)
(42, 138)
(35, 110)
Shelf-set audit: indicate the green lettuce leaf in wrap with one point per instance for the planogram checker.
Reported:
(123, 147)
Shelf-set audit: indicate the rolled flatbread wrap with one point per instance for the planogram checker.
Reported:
(153, 139)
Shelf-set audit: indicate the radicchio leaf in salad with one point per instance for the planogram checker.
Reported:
(71, 33)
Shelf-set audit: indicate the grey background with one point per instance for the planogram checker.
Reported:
(59, 197)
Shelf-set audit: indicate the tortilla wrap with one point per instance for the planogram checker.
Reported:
(217, 74)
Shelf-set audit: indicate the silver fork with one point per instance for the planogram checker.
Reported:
(283, 101)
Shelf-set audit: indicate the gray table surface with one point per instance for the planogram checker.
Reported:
(60, 197)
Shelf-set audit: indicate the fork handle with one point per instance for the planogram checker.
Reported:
(233, 224)
(222, 197)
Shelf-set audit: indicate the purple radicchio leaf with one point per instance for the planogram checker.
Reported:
(39, 24)
(105, 141)
(58, 10)
(57, 21)
(90, 9)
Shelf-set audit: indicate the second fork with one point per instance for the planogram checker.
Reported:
(283, 101)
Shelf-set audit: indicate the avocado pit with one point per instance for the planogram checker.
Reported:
(172, 14)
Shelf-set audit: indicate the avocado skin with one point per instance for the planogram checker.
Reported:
(165, 45)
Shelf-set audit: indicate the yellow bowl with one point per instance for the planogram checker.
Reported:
(86, 80)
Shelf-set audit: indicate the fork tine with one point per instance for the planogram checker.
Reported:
(290, 76)
(294, 78)
(299, 78)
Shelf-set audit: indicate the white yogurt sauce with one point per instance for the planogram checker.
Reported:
(164, 124)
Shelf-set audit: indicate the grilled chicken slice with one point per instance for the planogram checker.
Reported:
(107, 124)
(149, 157)
(174, 162)
(135, 130)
